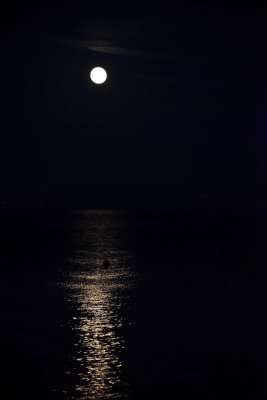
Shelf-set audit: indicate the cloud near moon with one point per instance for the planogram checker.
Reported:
(108, 48)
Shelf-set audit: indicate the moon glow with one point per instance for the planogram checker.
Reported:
(98, 75)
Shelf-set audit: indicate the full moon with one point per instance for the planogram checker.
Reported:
(98, 75)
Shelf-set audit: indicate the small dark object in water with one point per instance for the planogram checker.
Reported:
(106, 264)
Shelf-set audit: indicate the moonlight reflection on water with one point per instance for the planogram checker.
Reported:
(172, 313)
(98, 296)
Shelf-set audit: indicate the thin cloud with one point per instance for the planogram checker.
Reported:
(122, 51)
(108, 48)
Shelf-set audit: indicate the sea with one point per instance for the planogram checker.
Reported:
(123, 305)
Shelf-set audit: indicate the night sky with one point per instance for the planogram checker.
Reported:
(179, 124)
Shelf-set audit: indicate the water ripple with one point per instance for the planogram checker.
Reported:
(98, 295)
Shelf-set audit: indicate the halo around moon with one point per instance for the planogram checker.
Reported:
(98, 75)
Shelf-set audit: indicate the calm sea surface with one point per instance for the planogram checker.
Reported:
(180, 312)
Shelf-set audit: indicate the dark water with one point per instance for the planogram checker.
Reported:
(181, 312)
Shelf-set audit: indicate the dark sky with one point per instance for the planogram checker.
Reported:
(180, 122)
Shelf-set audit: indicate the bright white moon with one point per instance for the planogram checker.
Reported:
(98, 75)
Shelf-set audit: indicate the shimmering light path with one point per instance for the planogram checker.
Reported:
(99, 296)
